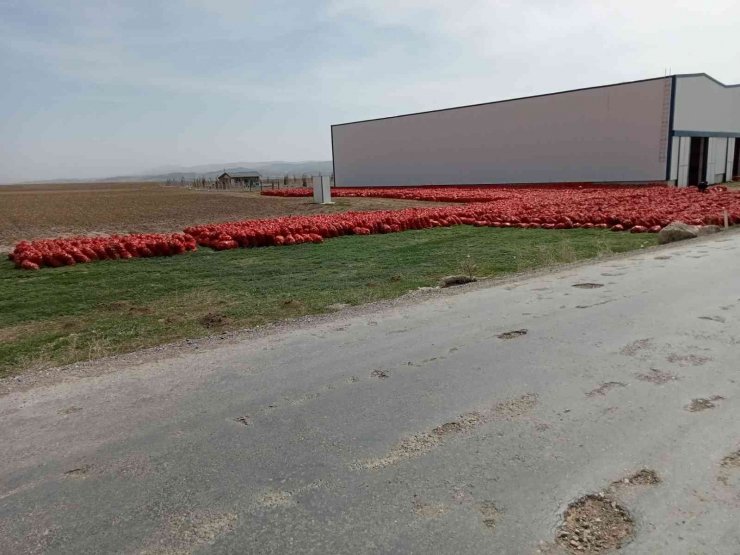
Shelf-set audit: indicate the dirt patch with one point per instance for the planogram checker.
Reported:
(729, 464)
(183, 533)
(79, 472)
(380, 374)
(732, 460)
(213, 320)
(701, 404)
(657, 377)
(429, 510)
(688, 360)
(286, 498)
(451, 281)
(634, 348)
(588, 285)
(513, 334)
(604, 388)
(595, 524)
(644, 477)
(69, 410)
(514, 408)
(274, 499)
(422, 443)
(490, 514)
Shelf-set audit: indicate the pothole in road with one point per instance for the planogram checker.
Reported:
(513, 334)
(644, 477)
(604, 388)
(728, 466)
(588, 285)
(697, 405)
(595, 524)
(657, 377)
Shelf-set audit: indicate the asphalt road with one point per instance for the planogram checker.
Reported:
(419, 428)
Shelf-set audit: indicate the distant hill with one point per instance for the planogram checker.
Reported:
(175, 173)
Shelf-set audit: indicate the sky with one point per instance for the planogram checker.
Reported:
(109, 87)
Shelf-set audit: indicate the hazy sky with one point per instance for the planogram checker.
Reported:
(103, 87)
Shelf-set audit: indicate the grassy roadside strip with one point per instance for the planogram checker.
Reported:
(63, 315)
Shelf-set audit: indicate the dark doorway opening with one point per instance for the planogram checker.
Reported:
(698, 160)
(736, 162)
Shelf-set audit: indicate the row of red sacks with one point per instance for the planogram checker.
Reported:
(31, 255)
(626, 208)
(458, 193)
(633, 209)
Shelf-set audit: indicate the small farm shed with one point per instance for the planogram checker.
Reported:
(681, 129)
(247, 179)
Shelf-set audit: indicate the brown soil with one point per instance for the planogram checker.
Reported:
(688, 360)
(38, 211)
(428, 510)
(513, 334)
(697, 405)
(644, 477)
(657, 377)
(595, 524)
(213, 320)
(604, 388)
(632, 349)
(490, 514)
(728, 466)
(732, 460)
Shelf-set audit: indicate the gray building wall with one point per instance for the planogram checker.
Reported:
(703, 105)
(613, 133)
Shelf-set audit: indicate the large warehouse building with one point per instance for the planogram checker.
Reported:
(682, 128)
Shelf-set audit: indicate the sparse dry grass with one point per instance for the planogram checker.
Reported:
(37, 211)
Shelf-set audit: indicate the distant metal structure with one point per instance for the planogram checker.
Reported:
(247, 179)
(680, 129)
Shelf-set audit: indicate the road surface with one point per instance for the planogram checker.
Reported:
(423, 427)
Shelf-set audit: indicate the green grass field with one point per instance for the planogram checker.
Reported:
(63, 315)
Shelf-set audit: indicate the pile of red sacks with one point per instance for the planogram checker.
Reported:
(621, 208)
(635, 209)
(458, 193)
(32, 255)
